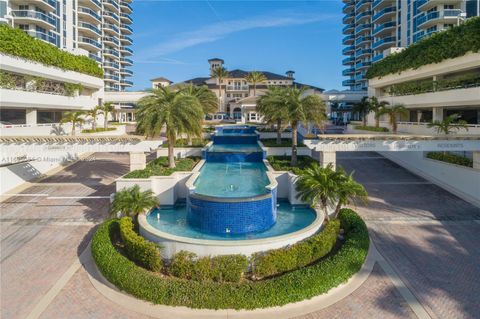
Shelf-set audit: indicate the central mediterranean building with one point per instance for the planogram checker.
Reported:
(99, 29)
(375, 28)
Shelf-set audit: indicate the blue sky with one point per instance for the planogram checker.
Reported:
(175, 39)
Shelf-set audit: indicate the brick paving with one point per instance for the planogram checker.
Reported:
(427, 233)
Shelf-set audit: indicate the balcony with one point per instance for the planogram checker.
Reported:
(384, 28)
(126, 61)
(434, 17)
(348, 72)
(110, 52)
(359, 77)
(126, 18)
(348, 40)
(348, 29)
(126, 7)
(363, 40)
(362, 53)
(110, 27)
(377, 58)
(89, 29)
(363, 65)
(124, 82)
(43, 36)
(89, 43)
(349, 7)
(95, 57)
(348, 18)
(380, 4)
(424, 5)
(111, 17)
(93, 4)
(126, 40)
(237, 88)
(126, 72)
(349, 82)
(383, 43)
(112, 4)
(126, 29)
(348, 61)
(46, 5)
(363, 17)
(111, 40)
(126, 51)
(89, 15)
(111, 65)
(384, 15)
(363, 4)
(31, 16)
(362, 29)
(111, 77)
(348, 50)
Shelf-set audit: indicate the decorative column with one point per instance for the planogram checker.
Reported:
(437, 114)
(138, 160)
(476, 160)
(327, 157)
(31, 117)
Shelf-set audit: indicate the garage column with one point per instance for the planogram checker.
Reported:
(327, 157)
(437, 114)
(476, 160)
(31, 117)
(138, 160)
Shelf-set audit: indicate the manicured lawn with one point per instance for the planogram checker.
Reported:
(159, 167)
(183, 142)
(272, 142)
(282, 163)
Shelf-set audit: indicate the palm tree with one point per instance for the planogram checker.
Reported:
(74, 118)
(362, 107)
(377, 107)
(254, 78)
(205, 96)
(131, 202)
(177, 111)
(106, 109)
(449, 124)
(301, 108)
(273, 108)
(317, 185)
(220, 73)
(348, 191)
(394, 112)
(94, 113)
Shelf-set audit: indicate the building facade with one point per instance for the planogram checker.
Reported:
(100, 29)
(237, 97)
(375, 28)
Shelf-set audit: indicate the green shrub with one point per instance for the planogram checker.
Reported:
(159, 167)
(99, 129)
(227, 268)
(294, 286)
(143, 252)
(371, 128)
(285, 142)
(282, 163)
(450, 158)
(17, 43)
(298, 255)
(452, 43)
(183, 142)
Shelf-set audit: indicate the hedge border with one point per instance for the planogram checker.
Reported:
(291, 287)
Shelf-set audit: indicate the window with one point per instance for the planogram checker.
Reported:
(448, 6)
(23, 7)
(23, 27)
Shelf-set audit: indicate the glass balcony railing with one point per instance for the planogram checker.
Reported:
(90, 41)
(34, 15)
(126, 49)
(348, 39)
(434, 15)
(90, 12)
(362, 27)
(348, 7)
(111, 77)
(95, 57)
(362, 39)
(111, 27)
(126, 61)
(362, 52)
(383, 12)
(350, 49)
(126, 82)
(127, 17)
(124, 26)
(378, 57)
(126, 71)
(126, 5)
(111, 15)
(348, 18)
(348, 71)
(108, 64)
(349, 60)
(384, 26)
(349, 82)
(112, 2)
(383, 41)
(124, 38)
(348, 28)
(362, 65)
(361, 3)
(89, 26)
(111, 52)
(363, 15)
(43, 36)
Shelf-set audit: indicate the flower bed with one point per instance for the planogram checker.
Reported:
(293, 286)
(159, 167)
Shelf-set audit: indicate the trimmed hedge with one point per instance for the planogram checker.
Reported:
(282, 163)
(294, 286)
(285, 142)
(298, 255)
(371, 128)
(454, 42)
(227, 268)
(145, 253)
(99, 129)
(159, 167)
(17, 43)
(183, 142)
(450, 158)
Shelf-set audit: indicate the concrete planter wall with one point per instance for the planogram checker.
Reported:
(272, 135)
(180, 152)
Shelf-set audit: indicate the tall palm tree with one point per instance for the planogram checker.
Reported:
(302, 108)
(205, 96)
(394, 112)
(377, 107)
(362, 107)
(106, 109)
(449, 125)
(254, 78)
(177, 111)
(220, 73)
(132, 201)
(94, 113)
(348, 191)
(317, 185)
(273, 108)
(75, 118)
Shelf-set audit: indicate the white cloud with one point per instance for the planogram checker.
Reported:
(220, 30)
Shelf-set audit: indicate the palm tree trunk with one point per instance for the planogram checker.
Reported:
(325, 209)
(73, 128)
(94, 124)
(364, 119)
(294, 144)
(377, 121)
(394, 124)
(337, 209)
(171, 143)
(105, 120)
(279, 132)
(254, 89)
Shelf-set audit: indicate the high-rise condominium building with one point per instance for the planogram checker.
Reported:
(97, 28)
(375, 28)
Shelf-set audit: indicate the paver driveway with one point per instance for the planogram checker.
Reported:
(428, 235)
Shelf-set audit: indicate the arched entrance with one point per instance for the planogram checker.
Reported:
(237, 114)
